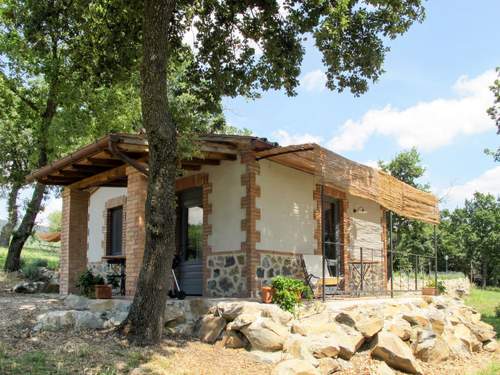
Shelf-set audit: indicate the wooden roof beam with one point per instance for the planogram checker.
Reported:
(102, 178)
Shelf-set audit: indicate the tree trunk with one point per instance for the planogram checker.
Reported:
(8, 228)
(21, 235)
(144, 324)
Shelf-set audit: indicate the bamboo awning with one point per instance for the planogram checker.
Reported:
(357, 179)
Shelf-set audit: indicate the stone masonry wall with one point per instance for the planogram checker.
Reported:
(272, 265)
(226, 275)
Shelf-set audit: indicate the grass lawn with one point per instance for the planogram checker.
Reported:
(485, 301)
(29, 254)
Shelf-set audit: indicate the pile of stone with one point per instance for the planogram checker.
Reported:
(432, 329)
(84, 313)
(48, 282)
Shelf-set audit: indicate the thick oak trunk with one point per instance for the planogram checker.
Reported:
(144, 324)
(19, 237)
(12, 209)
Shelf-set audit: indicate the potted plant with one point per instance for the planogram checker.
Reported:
(102, 290)
(433, 289)
(266, 294)
(93, 286)
(288, 292)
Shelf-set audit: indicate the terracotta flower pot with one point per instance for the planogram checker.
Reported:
(429, 292)
(103, 292)
(267, 294)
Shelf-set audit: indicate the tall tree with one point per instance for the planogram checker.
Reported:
(494, 111)
(411, 237)
(38, 65)
(239, 48)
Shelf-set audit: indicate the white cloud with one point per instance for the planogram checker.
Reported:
(426, 125)
(371, 163)
(314, 81)
(284, 138)
(488, 182)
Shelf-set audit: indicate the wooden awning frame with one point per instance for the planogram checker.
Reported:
(357, 179)
(104, 162)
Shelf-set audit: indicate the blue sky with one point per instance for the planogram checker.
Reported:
(433, 95)
(457, 42)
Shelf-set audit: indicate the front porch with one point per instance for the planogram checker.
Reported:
(248, 210)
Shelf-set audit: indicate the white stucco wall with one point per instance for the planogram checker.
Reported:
(287, 207)
(97, 204)
(365, 229)
(225, 199)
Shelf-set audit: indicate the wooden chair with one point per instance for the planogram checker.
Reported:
(312, 266)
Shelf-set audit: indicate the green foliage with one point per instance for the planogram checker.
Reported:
(86, 282)
(494, 112)
(30, 254)
(31, 271)
(485, 301)
(441, 288)
(55, 221)
(40, 262)
(497, 311)
(288, 292)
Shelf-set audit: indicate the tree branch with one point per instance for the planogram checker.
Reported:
(12, 87)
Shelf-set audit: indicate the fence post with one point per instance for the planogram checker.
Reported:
(361, 270)
(416, 272)
(435, 258)
(390, 254)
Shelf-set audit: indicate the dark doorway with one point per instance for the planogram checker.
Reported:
(331, 235)
(190, 241)
(115, 231)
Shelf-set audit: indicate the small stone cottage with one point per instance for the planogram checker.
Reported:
(247, 210)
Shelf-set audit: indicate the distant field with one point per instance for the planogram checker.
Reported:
(29, 254)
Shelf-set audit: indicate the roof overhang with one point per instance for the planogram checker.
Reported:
(357, 179)
(104, 162)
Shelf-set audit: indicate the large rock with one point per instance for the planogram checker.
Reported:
(399, 327)
(437, 320)
(265, 334)
(348, 339)
(55, 321)
(458, 348)
(173, 312)
(298, 347)
(430, 348)
(416, 319)
(328, 366)
(381, 368)
(393, 351)
(483, 331)
(295, 367)
(76, 302)
(467, 337)
(241, 321)
(30, 287)
(314, 325)
(349, 317)
(490, 346)
(87, 320)
(101, 305)
(234, 340)
(210, 328)
(370, 326)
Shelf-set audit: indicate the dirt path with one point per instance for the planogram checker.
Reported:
(102, 352)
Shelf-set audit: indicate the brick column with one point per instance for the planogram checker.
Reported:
(135, 230)
(74, 228)
(252, 214)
